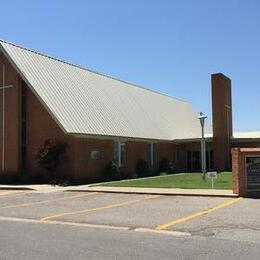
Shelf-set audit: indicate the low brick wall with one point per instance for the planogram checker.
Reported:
(239, 176)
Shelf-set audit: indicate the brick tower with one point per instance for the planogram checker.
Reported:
(222, 120)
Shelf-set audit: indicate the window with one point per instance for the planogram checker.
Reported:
(193, 161)
(176, 154)
(210, 160)
(120, 153)
(152, 154)
(95, 154)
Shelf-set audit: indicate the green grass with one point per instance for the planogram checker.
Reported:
(183, 181)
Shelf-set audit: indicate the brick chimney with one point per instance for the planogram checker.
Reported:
(222, 120)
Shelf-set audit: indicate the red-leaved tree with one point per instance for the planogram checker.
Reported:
(51, 155)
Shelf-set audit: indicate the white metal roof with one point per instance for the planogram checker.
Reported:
(85, 102)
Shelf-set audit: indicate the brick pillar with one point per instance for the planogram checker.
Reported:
(222, 120)
(235, 169)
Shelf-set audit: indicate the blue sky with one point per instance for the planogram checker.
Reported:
(167, 45)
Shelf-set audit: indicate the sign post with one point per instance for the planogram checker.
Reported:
(212, 176)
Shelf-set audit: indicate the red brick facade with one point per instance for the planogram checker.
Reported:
(40, 126)
(12, 118)
(222, 120)
(22, 143)
(239, 169)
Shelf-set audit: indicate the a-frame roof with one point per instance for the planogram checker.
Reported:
(84, 102)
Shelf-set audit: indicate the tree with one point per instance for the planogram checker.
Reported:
(51, 155)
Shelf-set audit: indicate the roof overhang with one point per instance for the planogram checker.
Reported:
(121, 138)
(192, 140)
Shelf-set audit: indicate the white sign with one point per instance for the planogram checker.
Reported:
(213, 175)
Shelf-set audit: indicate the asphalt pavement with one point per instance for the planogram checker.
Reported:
(96, 225)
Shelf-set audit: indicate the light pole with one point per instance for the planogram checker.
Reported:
(3, 116)
(202, 118)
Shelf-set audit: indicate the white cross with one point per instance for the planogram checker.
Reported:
(5, 87)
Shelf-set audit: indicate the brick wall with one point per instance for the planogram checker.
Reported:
(87, 167)
(239, 168)
(12, 118)
(222, 120)
(40, 127)
(237, 177)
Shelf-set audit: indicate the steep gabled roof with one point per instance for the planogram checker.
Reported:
(89, 103)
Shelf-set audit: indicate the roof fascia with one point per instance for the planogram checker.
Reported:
(122, 138)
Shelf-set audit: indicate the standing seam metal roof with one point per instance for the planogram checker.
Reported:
(86, 102)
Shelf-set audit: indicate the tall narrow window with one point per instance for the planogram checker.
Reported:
(189, 162)
(152, 154)
(193, 161)
(120, 153)
(23, 125)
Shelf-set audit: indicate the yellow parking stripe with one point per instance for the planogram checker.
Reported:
(99, 208)
(47, 201)
(204, 212)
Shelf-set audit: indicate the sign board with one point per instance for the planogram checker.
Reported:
(253, 173)
(212, 175)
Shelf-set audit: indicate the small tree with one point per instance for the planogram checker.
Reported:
(51, 155)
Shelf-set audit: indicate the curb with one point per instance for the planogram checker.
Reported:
(156, 193)
(16, 188)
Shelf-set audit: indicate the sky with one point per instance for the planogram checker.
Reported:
(171, 46)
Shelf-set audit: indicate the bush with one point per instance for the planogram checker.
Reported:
(165, 166)
(10, 179)
(112, 171)
(22, 178)
(142, 168)
(51, 155)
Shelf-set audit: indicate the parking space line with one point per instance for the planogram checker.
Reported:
(201, 213)
(29, 220)
(99, 208)
(48, 201)
(98, 226)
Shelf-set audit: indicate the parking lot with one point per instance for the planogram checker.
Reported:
(204, 216)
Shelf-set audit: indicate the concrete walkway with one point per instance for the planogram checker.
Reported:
(160, 191)
(45, 188)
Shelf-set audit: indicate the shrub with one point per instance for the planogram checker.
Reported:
(10, 178)
(22, 178)
(112, 171)
(165, 166)
(51, 155)
(142, 168)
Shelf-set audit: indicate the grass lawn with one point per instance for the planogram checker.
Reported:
(183, 181)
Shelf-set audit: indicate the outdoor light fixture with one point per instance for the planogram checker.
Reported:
(202, 119)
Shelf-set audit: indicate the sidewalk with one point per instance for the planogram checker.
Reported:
(44, 188)
(156, 191)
